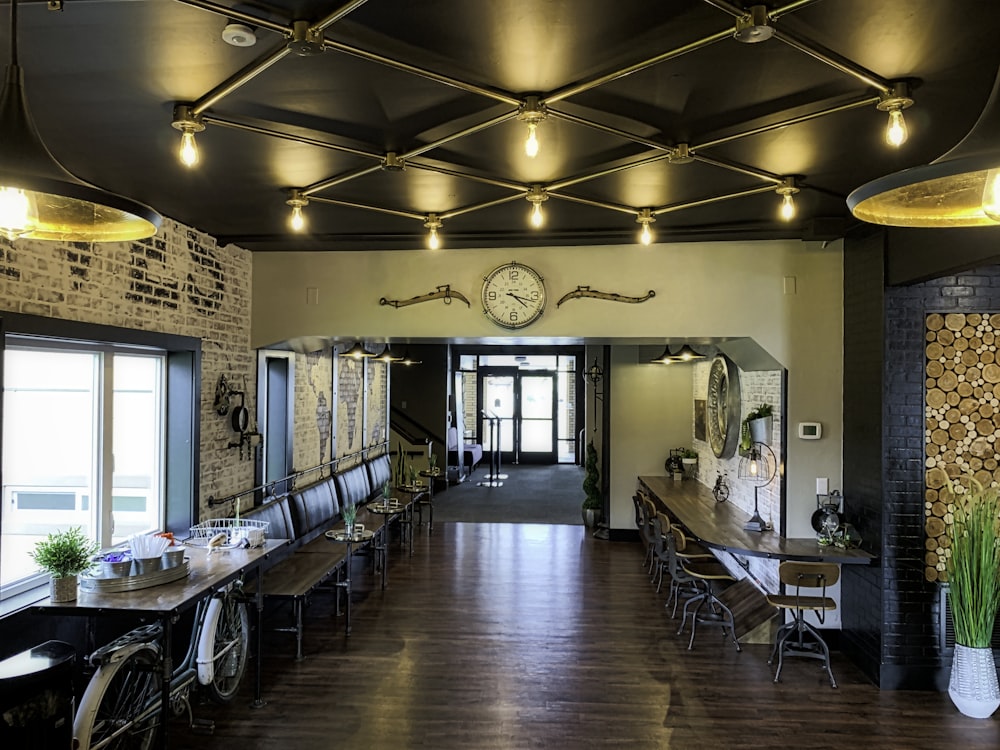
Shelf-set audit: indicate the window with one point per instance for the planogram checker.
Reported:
(83, 445)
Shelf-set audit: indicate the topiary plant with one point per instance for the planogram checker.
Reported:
(65, 553)
(591, 486)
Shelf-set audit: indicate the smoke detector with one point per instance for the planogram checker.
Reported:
(239, 35)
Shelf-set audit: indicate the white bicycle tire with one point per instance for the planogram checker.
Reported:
(83, 722)
(206, 642)
(218, 617)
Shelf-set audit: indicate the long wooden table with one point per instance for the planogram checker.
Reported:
(720, 526)
(208, 573)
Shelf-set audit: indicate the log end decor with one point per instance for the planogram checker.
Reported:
(962, 418)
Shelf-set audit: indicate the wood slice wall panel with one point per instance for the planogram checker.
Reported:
(962, 412)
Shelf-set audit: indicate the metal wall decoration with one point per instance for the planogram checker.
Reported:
(962, 418)
(586, 291)
(444, 292)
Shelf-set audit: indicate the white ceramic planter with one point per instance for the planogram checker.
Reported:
(973, 688)
(62, 589)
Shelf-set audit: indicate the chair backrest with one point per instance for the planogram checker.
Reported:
(808, 575)
(637, 502)
(676, 570)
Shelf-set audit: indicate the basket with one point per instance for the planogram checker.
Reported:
(239, 532)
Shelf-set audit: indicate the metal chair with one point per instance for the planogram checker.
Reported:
(798, 637)
(707, 609)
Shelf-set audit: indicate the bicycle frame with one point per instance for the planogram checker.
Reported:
(197, 664)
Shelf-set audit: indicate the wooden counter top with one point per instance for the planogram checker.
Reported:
(720, 526)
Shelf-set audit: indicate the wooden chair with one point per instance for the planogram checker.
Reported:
(798, 637)
(705, 608)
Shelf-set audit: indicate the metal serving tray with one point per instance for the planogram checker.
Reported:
(120, 584)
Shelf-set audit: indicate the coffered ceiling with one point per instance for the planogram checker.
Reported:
(386, 113)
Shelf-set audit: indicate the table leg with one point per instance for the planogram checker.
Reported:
(258, 702)
(347, 590)
(385, 549)
(165, 675)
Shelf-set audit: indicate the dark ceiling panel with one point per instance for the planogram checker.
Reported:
(624, 89)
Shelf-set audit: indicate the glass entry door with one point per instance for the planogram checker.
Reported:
(519, 411)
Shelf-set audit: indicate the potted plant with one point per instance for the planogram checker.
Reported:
(593, 503)
(758, 424)
(689, 460)
(64, 555)
(973, 568)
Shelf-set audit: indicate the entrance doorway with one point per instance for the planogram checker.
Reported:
(520, 412)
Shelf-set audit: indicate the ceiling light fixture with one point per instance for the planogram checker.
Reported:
(536, 197)
(664, 359)
(894, 102)
(388, 356)
(39, 198)
(786, 190)
(957, 189)
(687, 354)
(408, 360)
(358, 351)
(754, 27)
(433, 223)
(532, 112)
(297, 221)
(645, 218)
(189, 123)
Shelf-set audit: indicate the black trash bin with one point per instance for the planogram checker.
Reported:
(36, 698)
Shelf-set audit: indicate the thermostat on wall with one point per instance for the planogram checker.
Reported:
(810, 430)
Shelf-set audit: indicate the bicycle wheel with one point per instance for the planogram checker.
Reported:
(231, 644)
(119, 709)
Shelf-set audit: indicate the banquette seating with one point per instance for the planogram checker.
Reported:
(303, 515)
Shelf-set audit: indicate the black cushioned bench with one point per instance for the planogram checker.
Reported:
(303, 516)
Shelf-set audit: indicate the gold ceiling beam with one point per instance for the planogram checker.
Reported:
(588, 176)
(733, 166)
(238, 15)
(444, 216)
(712, 199)
(367, 207)
(317, 187)
(336, 15)
(592, 202)
(449, 172)
(790, 8)
(228, 122)
(238, 79)
(594, 125)
(472, 88)
(460, 134)
(579, 88)
(834, 60)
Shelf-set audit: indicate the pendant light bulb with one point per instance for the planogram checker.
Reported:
(645, 218)
(753, 467)
(297, 221)
(18, 215)
(787, 207)
(189, 149)
(991, 194)
(531, 144)
(786, 190)
(432, 224)
(896, 132)
(537, 217)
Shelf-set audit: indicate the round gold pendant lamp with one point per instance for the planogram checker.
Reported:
(42, 200)
(959, 189)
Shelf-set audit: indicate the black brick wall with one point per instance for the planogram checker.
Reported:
(891, 612)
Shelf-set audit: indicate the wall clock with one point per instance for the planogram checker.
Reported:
(513, 295)
(723, 405)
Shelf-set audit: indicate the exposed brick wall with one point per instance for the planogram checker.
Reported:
(756, 387)
(177, 282)
(314, 411)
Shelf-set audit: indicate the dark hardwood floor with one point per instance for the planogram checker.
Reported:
(537, 636)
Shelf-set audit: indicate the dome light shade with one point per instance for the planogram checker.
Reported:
(41, 199)
(358, 351)
(954, 190)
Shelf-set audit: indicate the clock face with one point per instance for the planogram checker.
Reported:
(723, 407)
(513, 295)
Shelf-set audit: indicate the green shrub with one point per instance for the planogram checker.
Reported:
(591, 480)
(65, 553)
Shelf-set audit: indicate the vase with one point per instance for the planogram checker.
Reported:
(591, 517)
(973, 688)
(62, 589)
(760, 430)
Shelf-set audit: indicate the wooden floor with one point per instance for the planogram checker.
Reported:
(536, 636)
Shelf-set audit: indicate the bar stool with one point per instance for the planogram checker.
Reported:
(791, 637)
(707, 574)
(647, 533)
(682, 584)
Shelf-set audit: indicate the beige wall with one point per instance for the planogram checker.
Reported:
(703, 290)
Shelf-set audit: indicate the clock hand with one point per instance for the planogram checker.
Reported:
(518, 298)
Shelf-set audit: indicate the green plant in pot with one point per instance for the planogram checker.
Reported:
(973, 567)
(593, 503)
(64, 555)
(756, 427)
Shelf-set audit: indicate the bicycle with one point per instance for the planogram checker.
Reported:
(121, 705)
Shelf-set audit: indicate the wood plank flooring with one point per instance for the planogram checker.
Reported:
(538, 636)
